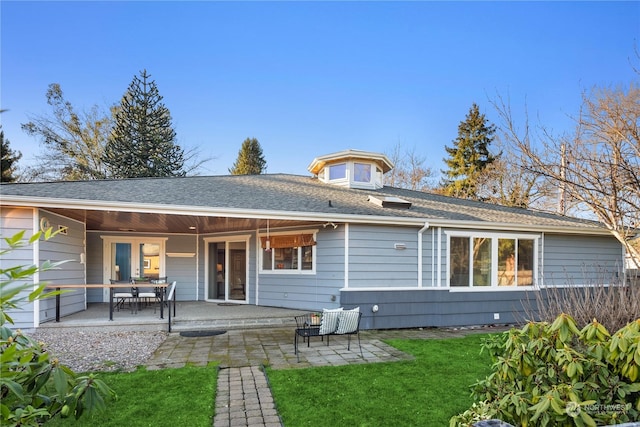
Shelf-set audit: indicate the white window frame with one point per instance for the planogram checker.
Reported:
(494, 259)
(375, 177)
(134, 241)
(372, 170)
(342, 178)
(227, 240)
(299, 270)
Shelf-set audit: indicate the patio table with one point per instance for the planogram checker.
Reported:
(111, 288)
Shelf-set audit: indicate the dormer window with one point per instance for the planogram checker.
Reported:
(352, 169)
(337, 171)
(362, 172)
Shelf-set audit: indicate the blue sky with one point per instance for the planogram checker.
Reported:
(312, 78)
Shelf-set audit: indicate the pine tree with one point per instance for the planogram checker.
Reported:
(250, 159)
(469, 155)
(143, 141)
(9, 160)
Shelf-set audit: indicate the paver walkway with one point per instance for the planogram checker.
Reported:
(272, 347)
(243, 397)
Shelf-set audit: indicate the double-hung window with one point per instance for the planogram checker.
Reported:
(485, 260)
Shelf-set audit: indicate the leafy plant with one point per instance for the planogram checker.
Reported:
(558, 375)
(33, 386)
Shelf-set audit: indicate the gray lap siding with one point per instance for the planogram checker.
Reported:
(309, 291)
(563, 259)
(12, 221)
(69, 248)
(581, 260)
(436, 307)
(374, 260)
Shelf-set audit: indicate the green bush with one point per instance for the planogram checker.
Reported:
(558, 375)
(34, 387)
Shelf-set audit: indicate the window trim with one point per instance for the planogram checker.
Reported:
(345, 165)
(371, 172)
(299, 270)
(227, 239)
(349, 180)
(133, 240)
(495, 237)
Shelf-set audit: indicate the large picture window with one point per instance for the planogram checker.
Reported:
(288, 253)
(488, 261)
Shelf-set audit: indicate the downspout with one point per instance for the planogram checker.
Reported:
(439, 267)
(346, 255)
(257, 280)
(420, 232)
(35, 253)
(541, 268)
(197, 236)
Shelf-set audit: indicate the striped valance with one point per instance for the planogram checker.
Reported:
(288, 240)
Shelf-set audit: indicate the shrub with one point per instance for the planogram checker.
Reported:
(614, 304)
(34, 387)
(557, 375)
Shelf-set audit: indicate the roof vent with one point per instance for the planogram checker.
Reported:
(390, 202)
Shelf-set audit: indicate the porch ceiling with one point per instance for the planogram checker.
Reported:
(120, 221)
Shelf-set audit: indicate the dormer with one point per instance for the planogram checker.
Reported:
(352, 169)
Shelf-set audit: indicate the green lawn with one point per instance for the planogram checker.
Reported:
(167, 397)
(424, 392)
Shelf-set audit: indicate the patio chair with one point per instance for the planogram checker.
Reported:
(145, 293)
(330, 322)
(120, 296)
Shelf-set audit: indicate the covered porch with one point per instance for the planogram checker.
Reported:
(213, 258)
(189, 315)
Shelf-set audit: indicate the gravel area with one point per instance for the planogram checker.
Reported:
(100, 351)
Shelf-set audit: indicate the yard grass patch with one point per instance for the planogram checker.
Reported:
(166, 397)
(425, 392)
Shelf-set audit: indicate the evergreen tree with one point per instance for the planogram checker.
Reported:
(250, 159)
(469, 155)
(9, 160)
(143, 141)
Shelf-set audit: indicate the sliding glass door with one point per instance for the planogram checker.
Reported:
(227, 273)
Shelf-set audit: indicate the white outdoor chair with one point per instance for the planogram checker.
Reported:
(121, 296)
(146, 294)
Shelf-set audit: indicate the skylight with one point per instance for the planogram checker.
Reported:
(390, 202)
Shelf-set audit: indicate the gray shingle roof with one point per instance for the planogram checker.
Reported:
(287, 193)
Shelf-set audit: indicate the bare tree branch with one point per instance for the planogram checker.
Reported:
(409, 170)
(73, 142)
(601, 158)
